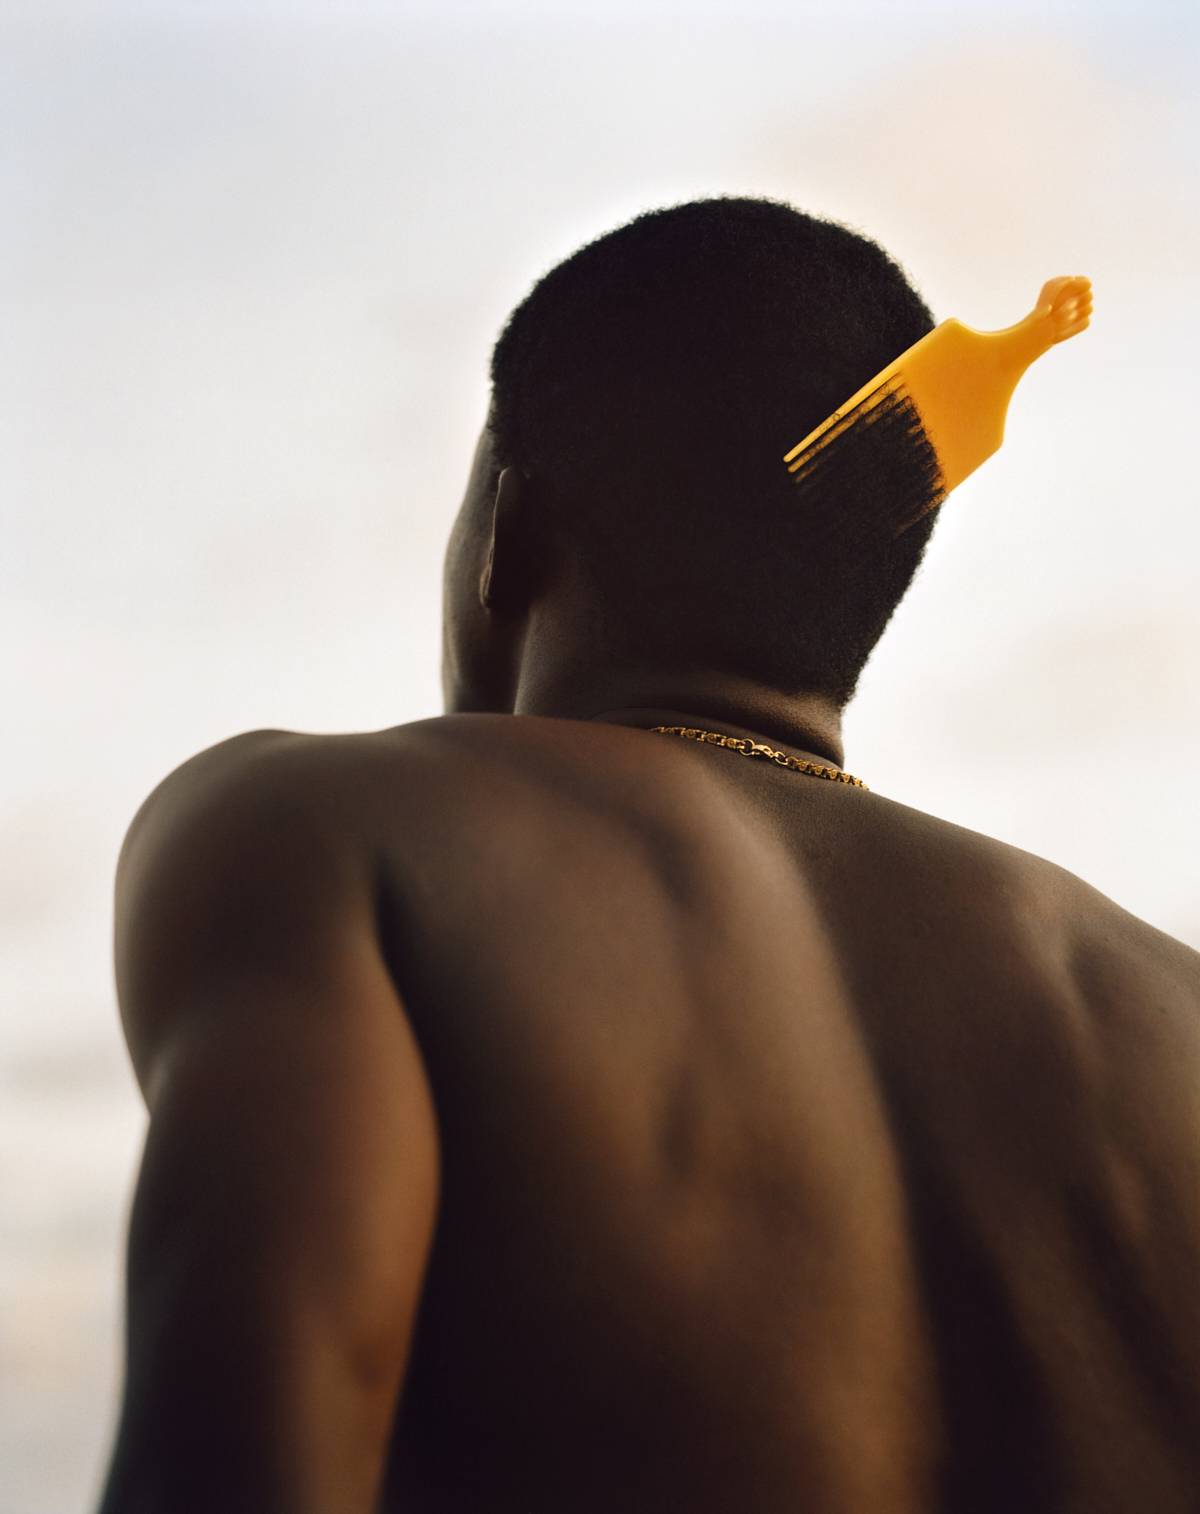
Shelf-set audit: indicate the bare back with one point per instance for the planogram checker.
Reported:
(800, 1152)
(735, 1140)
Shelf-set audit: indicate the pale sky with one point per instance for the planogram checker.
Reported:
(252, 259)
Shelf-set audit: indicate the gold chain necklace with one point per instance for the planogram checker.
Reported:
(757, 749)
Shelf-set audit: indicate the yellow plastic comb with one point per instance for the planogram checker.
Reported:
(960, 382)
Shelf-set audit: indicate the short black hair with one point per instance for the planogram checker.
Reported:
(653, 382)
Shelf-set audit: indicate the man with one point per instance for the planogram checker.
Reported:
(553, 1114)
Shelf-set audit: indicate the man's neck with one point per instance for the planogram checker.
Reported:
(808, 723)
(551, 661)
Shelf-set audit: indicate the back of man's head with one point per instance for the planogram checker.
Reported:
(653, 382)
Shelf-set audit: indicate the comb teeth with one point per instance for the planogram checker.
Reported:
(801, 458)
(873, 466)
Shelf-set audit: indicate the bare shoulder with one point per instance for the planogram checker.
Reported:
(993, 891)
(288, 782)
(1007, 994)
(248, 861)
(305, 814)
(268, 769)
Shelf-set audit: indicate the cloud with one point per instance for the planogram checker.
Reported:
(1075, 686)
(993, 167)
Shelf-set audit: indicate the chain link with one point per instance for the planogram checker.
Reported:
(759, 749)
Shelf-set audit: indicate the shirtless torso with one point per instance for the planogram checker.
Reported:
(797, 1151)
(552, 1117)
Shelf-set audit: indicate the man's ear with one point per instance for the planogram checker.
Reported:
(518, 549)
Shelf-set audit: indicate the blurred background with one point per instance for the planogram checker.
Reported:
(252, 259)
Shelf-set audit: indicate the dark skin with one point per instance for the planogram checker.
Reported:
(550, 1116)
